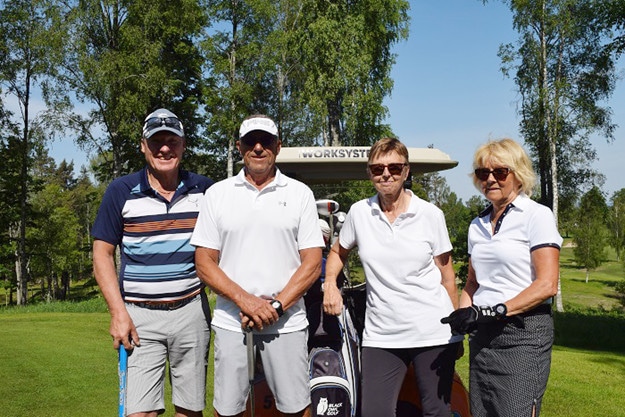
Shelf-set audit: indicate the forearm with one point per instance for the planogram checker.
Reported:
(335, 263)
(106, 277)
(209, 272)
(466, 296)
(307, 273)
(122, 328)
(448, 277)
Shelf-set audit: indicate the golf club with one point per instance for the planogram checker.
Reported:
(249, 342)
(123, 368)
(327, 207)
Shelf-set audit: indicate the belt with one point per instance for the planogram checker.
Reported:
(165, 305)
(541, 309)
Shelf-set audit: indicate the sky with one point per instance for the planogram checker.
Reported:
(449, 91)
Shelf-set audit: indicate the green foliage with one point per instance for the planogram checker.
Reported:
(564, 74)
(616, 222)
(590, 231)
(29, 44)
(619, 288)
(129, 58)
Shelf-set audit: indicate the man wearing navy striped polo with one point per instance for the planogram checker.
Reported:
(157, 303)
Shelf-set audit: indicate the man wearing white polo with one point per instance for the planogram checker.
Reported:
(258, 246)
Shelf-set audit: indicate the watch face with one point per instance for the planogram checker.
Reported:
(275, 304)
(500, 309)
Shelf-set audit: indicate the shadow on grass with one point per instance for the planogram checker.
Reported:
(593, 329)
(607, 283)
(617, 364)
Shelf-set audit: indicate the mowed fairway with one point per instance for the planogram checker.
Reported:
(62, 365)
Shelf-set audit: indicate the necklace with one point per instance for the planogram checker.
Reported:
(156, 186)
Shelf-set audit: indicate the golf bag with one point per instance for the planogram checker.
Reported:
(335, 373)
(334, 358)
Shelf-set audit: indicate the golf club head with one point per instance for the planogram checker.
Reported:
(327, 207)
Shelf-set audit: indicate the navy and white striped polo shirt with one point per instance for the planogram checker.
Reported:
(157, 261)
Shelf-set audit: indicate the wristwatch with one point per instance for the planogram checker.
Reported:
(500, 310)
(278, 306)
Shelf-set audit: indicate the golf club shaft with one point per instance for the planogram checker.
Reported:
(123, 368)
(249, 342)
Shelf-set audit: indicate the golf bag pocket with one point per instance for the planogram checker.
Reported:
(330, 389)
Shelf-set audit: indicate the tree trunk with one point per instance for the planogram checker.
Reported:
(334, 123)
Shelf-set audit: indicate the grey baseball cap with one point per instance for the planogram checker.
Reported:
(162, 120)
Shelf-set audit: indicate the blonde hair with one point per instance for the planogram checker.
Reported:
(387, 145)
(508, 153)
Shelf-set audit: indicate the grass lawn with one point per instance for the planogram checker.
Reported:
(62, 365)
(57, 359)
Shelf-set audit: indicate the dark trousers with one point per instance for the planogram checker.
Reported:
(383, 372)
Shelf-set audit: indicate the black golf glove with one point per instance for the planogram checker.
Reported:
(465, 320)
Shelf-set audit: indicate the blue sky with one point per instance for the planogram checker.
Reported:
(449, 91)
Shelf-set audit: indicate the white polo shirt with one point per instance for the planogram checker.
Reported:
(405, 297)
(259, 235)
(502, 260)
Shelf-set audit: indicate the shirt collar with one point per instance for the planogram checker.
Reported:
(185, 183)
(280, 180)
(521, 202)
(374, 201)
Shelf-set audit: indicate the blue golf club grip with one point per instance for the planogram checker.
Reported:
(123, 370)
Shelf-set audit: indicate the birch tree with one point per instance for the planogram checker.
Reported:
(564, 75)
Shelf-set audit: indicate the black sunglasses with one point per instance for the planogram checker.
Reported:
(265, 140)
(500, 174)
(154, 122)
(393, 169)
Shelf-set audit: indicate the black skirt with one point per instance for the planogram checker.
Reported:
(509, 366)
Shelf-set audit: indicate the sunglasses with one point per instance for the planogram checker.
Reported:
(500, 174)
(154, 122)
(393, 169)
(265, 140)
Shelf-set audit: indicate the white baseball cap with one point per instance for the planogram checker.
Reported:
(264, 124)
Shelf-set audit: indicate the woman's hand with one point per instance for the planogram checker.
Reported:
(332, 299)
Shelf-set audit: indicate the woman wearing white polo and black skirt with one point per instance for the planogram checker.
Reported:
(514, 248)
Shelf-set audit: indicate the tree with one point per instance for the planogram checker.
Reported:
(613, 13)
(564, 73)
(55, 253)
(126, 59)
(234, 54)
(590, 231)
(616, 222)
(346, 61)
(319, 69)
(29, 45)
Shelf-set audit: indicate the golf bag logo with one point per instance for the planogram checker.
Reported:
(322, 407)
(326, 408)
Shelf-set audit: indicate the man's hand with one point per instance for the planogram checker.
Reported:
(123, 331)
(257, 312)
